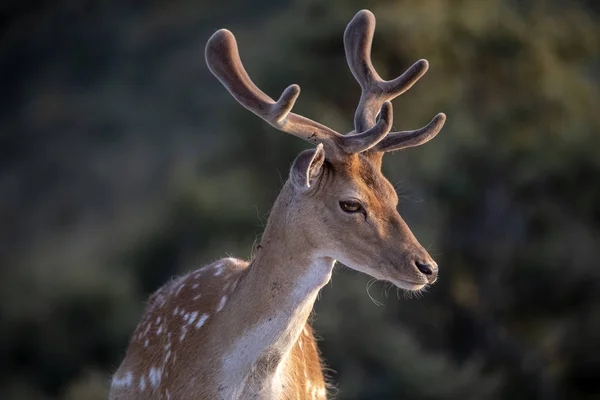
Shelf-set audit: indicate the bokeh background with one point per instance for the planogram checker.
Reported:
(124, 162)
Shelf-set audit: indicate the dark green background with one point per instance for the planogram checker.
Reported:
(124, 162)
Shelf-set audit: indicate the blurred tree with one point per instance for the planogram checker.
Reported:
(123, 162)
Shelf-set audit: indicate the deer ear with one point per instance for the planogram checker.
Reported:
(307, 168)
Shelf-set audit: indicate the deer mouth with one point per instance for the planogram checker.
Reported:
(407, 280)
(408, 285)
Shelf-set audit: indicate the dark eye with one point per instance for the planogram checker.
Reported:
(351, 206)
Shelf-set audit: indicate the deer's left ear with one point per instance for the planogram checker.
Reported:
(307, 168)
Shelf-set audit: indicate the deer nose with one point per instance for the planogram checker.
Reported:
(430, 270)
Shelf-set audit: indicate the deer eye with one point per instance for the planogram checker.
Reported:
(351, 206)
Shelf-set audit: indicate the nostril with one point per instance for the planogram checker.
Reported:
(426, 269)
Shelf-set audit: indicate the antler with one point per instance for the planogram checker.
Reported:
(223, 60)
(358, 39)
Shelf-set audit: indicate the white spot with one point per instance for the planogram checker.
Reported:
(222, 303)
(142, 383)
(194, 286)
(183, 333)
(157, 320)
(219, 269)
(176, 310)
(159, 331)
(147, 329)
(193, 317)
(154, 376)
(181, 312)
(124, 381)
(167, 356)
(196, 297)
(201, 321)
(179, 289)
(186, 316)
(146, 343)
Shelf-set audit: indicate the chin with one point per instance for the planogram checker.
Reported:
(410, 286)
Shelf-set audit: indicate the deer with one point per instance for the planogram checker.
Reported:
(239, 329)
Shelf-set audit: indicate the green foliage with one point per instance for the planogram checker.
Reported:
(124, 162)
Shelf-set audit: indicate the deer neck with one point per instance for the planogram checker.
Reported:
(276, 295)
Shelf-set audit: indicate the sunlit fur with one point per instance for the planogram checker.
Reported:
(379, 243)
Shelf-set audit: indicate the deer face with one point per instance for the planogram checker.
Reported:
(349, 213)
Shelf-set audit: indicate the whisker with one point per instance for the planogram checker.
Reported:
(369, 284)
(415, 199)
(388, 286)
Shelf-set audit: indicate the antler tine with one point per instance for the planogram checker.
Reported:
(224, 62)
(359, 142)
(358, 39)
(401, 140)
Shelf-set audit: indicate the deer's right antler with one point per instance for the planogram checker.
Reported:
(223, 59)
(358, 39)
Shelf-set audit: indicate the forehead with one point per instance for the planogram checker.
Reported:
(368, 180)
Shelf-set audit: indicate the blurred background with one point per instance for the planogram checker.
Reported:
(124, 162)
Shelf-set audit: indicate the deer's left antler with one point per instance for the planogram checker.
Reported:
(223, 60)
